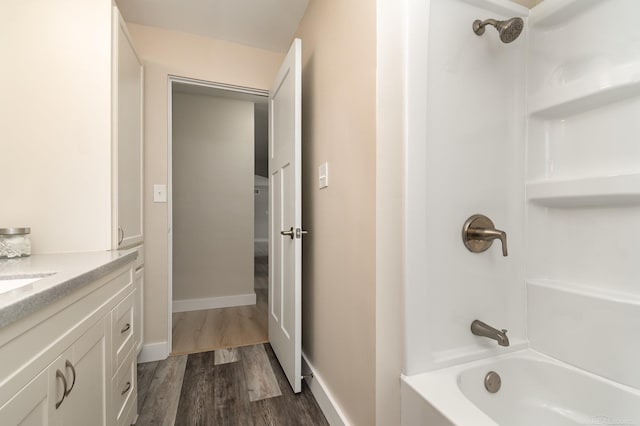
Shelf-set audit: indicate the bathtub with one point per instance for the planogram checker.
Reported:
(536, 391)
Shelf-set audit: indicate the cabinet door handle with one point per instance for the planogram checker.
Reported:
(126, 388)
(120, 235)
(64, 382)
(126, 328)
(73, 382)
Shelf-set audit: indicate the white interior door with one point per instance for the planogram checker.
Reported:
(285, 215)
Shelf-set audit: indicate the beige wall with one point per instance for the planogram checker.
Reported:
(339, 120)
(55, 122)
(173, 53)
(213, 180)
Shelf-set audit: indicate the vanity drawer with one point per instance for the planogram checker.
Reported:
(123, 327)
(125, 391)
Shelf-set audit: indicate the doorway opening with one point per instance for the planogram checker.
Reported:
(218, 216)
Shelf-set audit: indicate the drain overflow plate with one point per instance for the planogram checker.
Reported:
(492, 381)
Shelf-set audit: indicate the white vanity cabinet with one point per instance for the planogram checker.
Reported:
(73, 362)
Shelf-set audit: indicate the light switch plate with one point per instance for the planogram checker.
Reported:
(323, 175)
(159, 193)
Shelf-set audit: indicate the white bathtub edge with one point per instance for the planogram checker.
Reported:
(442, 394)
(439, 392)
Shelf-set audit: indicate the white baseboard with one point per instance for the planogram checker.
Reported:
(187, 305)
(154, 352)
(327, 403)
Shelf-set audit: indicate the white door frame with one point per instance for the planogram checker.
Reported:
(185, 80)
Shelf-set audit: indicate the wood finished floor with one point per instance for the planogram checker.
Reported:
(240, 386)
(212, 329)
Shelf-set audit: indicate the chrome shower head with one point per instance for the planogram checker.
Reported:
(509, 30)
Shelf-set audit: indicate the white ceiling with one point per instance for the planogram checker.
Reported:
(266, 24)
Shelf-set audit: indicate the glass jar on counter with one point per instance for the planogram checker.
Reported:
(15, 242)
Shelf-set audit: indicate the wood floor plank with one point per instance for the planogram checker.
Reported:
(161, 403)
(197, 398)
(294, 409)
(187, 330)
(202, 331)
(218, 394)
(288, 410)
(232, 405)
(225, 356)
(283, 383)
(146, 371)
(261, 381)
(272, 412)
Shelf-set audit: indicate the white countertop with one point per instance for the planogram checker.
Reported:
(69, 272)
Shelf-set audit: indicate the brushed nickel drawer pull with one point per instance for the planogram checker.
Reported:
(126, 328)
(73, 383)
(126, 388)
(64, 382)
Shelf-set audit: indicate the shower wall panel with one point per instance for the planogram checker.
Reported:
(465, 156)
(583, 184)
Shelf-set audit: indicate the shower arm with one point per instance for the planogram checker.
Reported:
(478, 26)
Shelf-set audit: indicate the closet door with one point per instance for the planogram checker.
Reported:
(128, 124)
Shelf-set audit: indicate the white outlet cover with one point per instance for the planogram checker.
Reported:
(159, 193)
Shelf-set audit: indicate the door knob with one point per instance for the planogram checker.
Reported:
(290, 233)
(479, 232)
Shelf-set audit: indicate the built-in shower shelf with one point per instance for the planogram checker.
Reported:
(596, 90)
(580, 289)
(552, 13)
(620, 190)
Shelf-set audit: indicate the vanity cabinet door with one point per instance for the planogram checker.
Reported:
(128, 139)
(86, 375)
(71, 391)
(31, 406)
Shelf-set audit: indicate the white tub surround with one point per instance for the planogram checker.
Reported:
(465, 156)
(61, 274)
(536, 390)
(582, 183)
(540, 135)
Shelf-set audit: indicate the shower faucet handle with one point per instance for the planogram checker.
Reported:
(479, 232)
